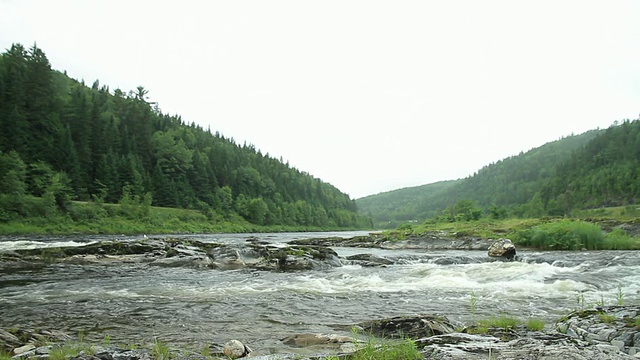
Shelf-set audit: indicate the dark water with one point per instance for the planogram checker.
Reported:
(135, 304)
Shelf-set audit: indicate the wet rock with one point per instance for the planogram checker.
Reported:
(537, 346)
(227, 258)
(234, 349)
(306, 340)
(413, 327)
(611, 325)
(369, 260)
(356, 241)
(296, 258)
(8, 340)
(503, 248)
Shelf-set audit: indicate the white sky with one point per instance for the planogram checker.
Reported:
(369, 96)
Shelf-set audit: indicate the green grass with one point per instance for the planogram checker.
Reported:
(483, 228)
(84, 219)
(501, 322)
(607, 318)
(581, 232)
(535, 325)
(382, 350)
(160, 351)
(70, 350)
(4, 355)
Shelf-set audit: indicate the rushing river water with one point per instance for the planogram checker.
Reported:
(136, 303)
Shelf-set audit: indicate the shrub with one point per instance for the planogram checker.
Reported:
(617, 239)
(563, 235)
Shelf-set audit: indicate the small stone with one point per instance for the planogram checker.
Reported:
(234, 349)
(23, 349)
(619, 344)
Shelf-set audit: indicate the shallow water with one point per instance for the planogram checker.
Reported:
(134, 303)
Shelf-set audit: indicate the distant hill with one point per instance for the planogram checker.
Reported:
(63, 140)
(514, 184)
(407, 204)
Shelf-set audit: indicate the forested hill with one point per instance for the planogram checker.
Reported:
(574, 172)
(59, 136)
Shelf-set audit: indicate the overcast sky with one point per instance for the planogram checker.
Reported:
(369, 96)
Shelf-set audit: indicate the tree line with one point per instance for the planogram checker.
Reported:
(63, 139)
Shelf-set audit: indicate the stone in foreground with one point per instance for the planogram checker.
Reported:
(234, 349)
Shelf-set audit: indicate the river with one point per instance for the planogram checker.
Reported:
(188, 308)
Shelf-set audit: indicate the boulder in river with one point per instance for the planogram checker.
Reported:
(503, 248)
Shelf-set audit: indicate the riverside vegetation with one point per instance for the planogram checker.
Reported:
(601, 229)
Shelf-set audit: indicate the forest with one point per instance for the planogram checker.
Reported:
(63, 141)
(599, 168)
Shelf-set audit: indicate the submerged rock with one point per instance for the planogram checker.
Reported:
(369, 260)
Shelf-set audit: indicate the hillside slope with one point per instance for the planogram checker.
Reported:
(509, 183)
(63, 139)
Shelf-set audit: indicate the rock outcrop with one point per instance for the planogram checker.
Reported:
(176, 252)
(618, 326)
(413, 327)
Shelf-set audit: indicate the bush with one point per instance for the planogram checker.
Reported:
(619, 240)
(563, 235)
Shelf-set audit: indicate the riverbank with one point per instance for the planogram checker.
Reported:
(90, 218)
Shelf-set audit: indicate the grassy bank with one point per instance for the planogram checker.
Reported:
(96, 218)
(598, 229)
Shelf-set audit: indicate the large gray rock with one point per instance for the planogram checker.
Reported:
(502, 248)
(413, 327)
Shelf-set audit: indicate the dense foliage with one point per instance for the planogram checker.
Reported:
(62, 140)
(574, 235)
(605, 173)
(595, 169)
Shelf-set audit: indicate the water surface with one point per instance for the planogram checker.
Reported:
(136, 303)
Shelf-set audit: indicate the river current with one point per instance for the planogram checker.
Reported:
(136, 303)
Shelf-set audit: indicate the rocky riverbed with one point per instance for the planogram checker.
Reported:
(604, 332)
